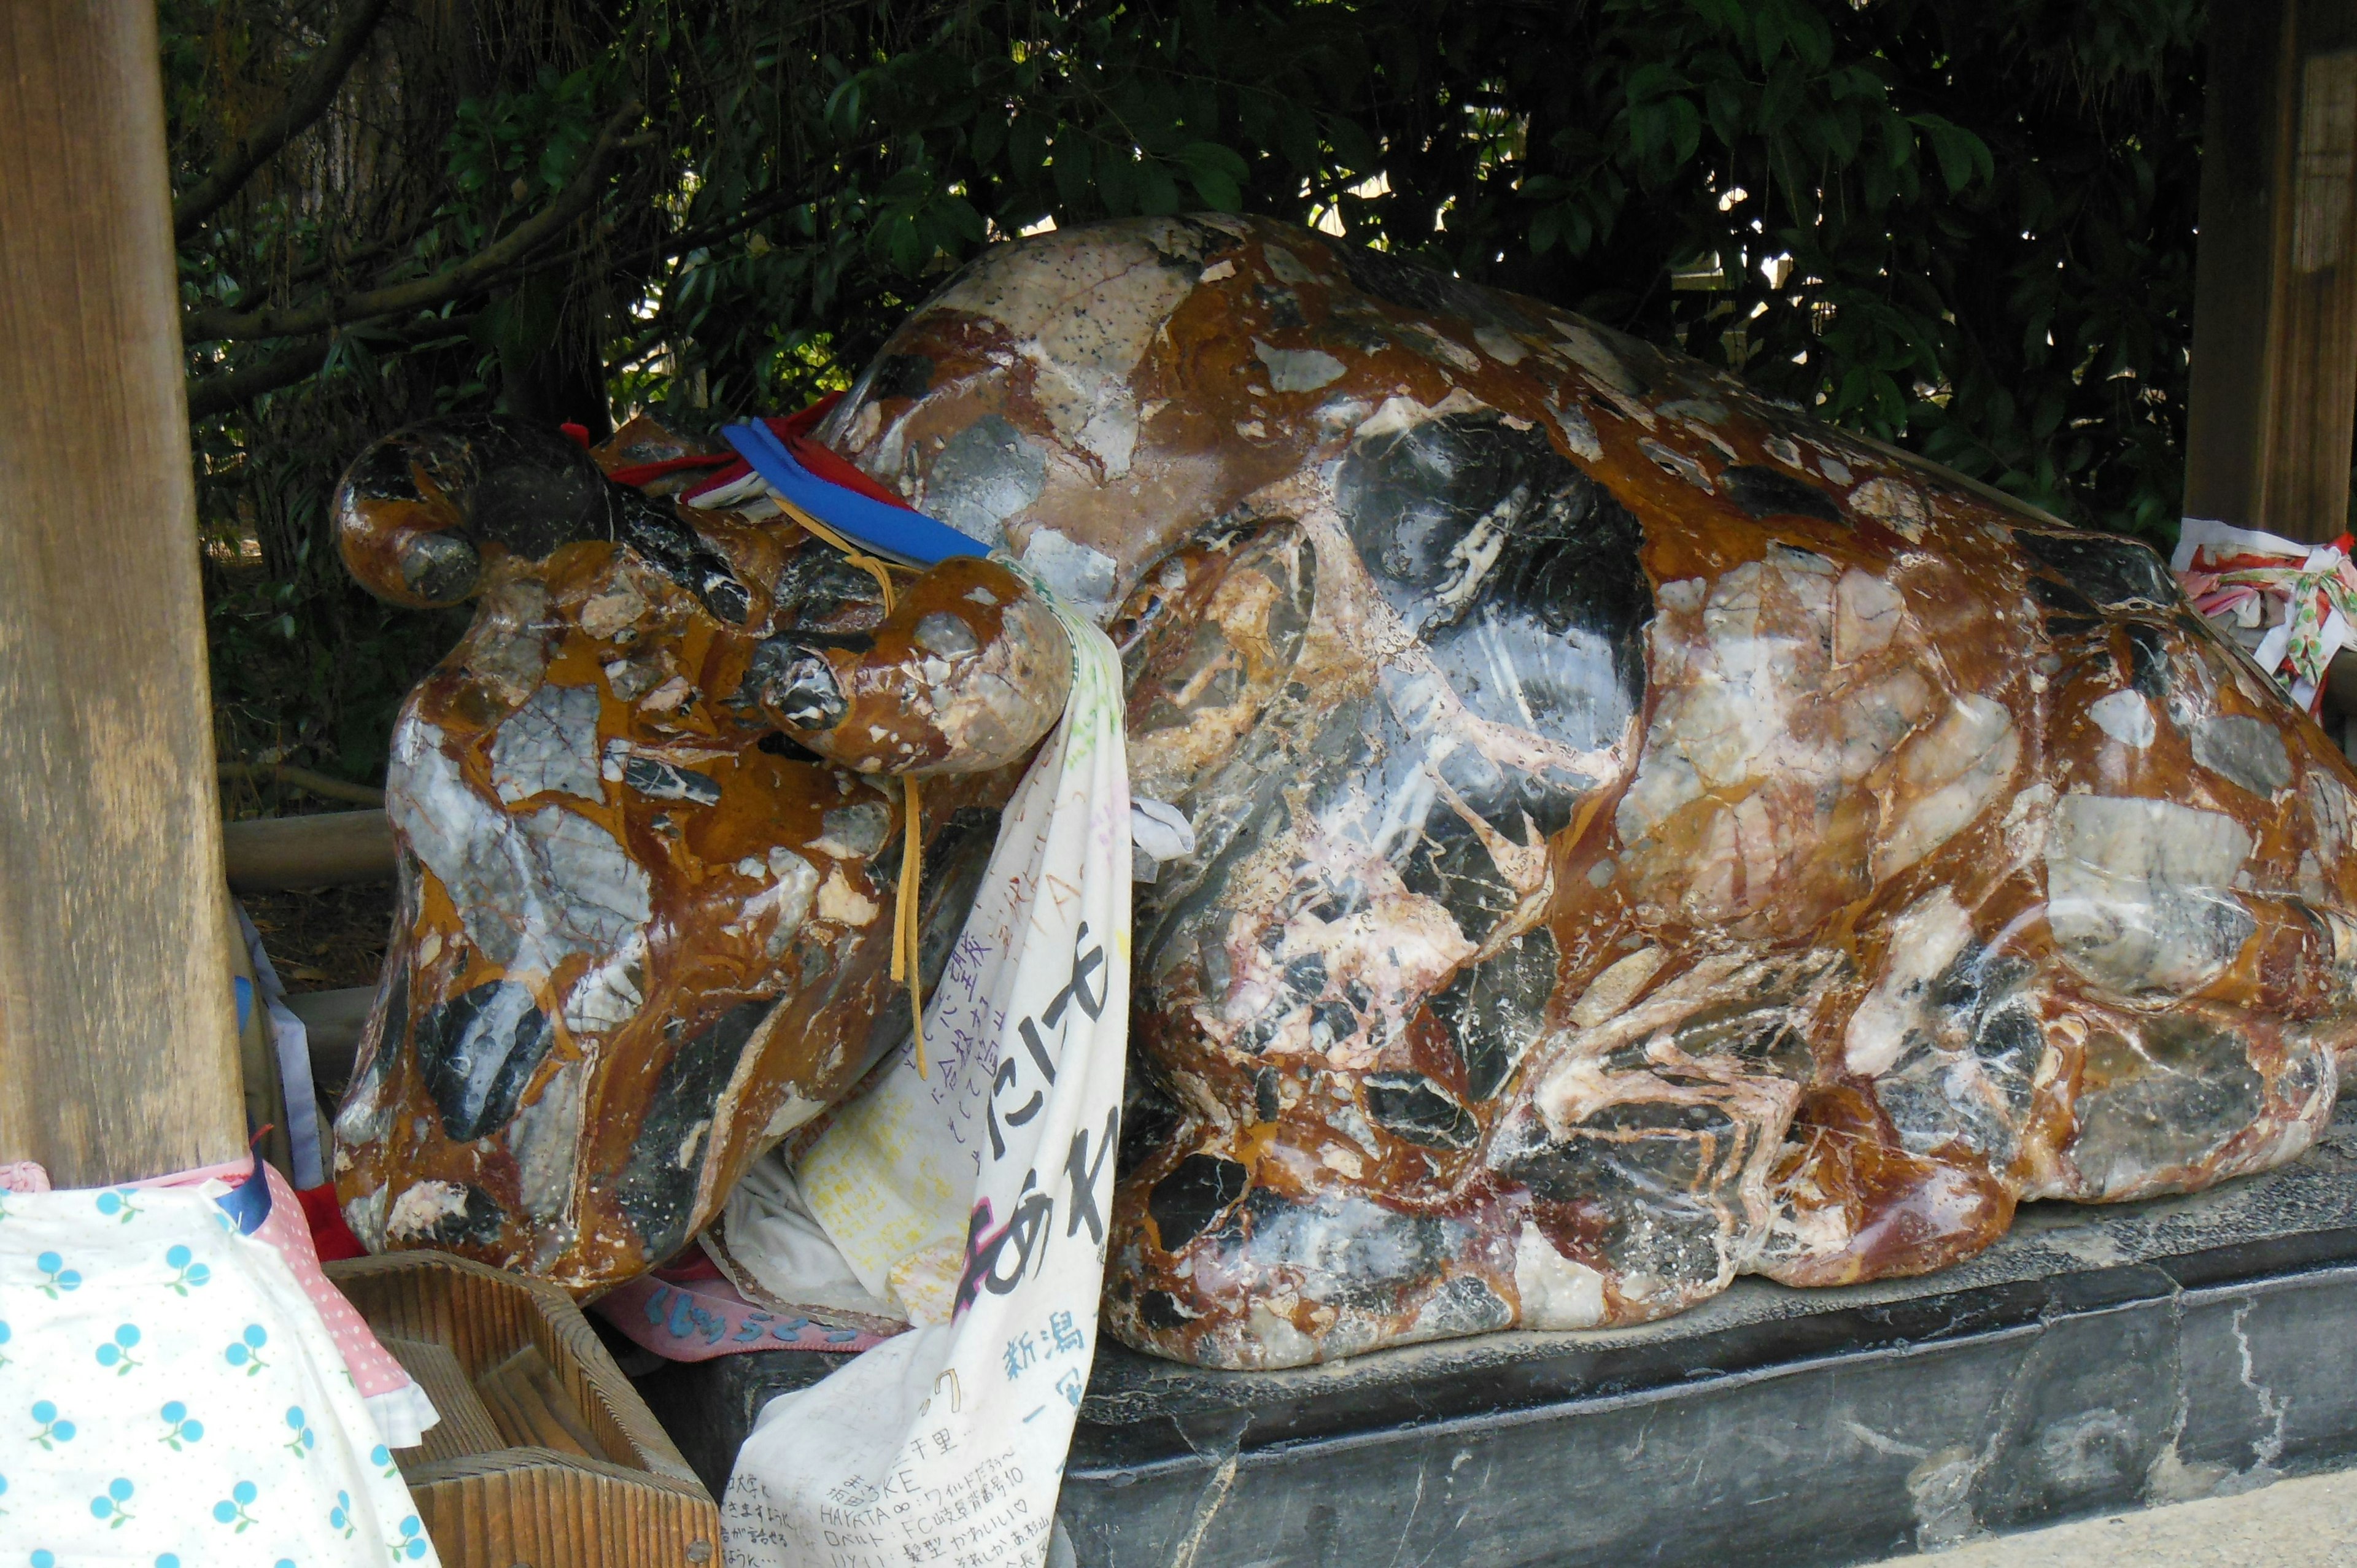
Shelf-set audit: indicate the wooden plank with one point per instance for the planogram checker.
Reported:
(578, 1473)
(332, 1021)
(118, 1051)
(330, 849)
(2274, 386)
(533, 1409)
(465, 1427)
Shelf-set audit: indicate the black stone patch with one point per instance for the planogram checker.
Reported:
(1158, 1309)
(956, 858)
(2192, 1088)
(1190, 1198)
(518, 484)
(535, 491)
(1977, 980)
(1551, 636)
(477, 1052)
(1403, 281)
(2060, 599)
(395, 1035)
(1989, 1040)
(2062, 627)
(1662, 1176)
(1149, 1120)
(2147, 657)
(778, 743)
(816, 584)
(1306, 976)
(901, 375)
(1451, 864)
(442, 567)
(665, 781)
(478, 1224)
(1493, 1009)
(660, 536)
(811, 637)
(2249, 751)
(1463, 1304)
(1255, 1037)
(2107, 569)
(1637, 1150)
(1411, 1107)
(1284, 306)
(1330, 1023)
(1519, 805)
(1764, 1039)
(787, 675)
(2009, 1034)
(1770, 492)
(1266, 1103)
(657, 1190)
(514, 483)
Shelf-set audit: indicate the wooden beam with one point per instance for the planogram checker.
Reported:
(330, 849)
(118, 1051)
(2274, 388)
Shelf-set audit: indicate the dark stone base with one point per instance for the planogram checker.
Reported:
(2094, 1359)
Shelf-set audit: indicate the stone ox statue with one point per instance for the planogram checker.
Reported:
(1644, 835)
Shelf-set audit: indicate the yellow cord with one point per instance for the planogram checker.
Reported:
(858, 557)
(905, 936)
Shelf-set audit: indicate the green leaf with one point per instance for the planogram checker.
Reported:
(1027, 144)
(988, 136)
(1962, 155)
(1072, 167)
(1117, 182)
(1546, 226)
(1157, 191)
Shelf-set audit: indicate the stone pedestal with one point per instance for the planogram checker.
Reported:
(2094, 1360)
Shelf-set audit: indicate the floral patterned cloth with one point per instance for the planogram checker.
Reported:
(2291, 606)
(402, 1412)
(171, 1398)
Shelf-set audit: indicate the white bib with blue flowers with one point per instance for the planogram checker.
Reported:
(169, 1398)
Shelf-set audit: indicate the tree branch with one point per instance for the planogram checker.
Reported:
(306, 102)
(678, 245)
(419, 294)
(209, 395)
(319, 784)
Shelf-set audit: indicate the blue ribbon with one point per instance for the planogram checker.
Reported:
(906, 536)
(248, 1203)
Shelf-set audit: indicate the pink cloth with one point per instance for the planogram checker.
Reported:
(373, 1368)
(696, 1320)
(23, 1176)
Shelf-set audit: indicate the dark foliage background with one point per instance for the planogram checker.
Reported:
(1968, 227)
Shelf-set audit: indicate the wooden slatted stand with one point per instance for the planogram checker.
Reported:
(545, 1456)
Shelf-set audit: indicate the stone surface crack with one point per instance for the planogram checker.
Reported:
(2269, 1448)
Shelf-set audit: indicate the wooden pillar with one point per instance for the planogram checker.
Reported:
(118, 1057)
(2274, 318)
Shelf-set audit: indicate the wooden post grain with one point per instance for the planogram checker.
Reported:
(2274, 387)
(118, 1055)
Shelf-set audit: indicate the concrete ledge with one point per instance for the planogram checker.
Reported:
(2309, 1522)
(2094, 1360)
